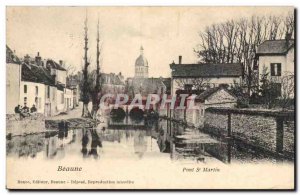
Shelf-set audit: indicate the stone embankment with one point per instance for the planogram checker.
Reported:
(268, 129)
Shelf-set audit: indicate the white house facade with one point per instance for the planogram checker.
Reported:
(188, 76)
(13, 80)
(34, 82)
(276, 57)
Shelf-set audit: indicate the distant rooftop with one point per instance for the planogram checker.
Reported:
(207, 93)
(11, 57)
(54, 65)
(275, 47)
(207, 70)
(36, 74)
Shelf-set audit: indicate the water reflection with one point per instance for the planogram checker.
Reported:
(95, 143)
(140, 143)
(137, 140)
(84, 142)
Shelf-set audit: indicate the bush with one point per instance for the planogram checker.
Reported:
(242, 104)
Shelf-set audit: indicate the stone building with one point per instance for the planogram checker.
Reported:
(202, 76)
(13, 80)
(73, 83)
(142, 84)
(195, 106)
(38, 82)
(212, 97)
(58, 70)
(59, 73)
(110, 82)
(148, 86)
(37, 87)
(69, 101)
(276, 57)
(49, 80)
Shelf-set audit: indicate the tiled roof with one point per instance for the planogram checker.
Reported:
(147, 85)
(11, 57)
(275, 47)
(114, 79)
(167, 82)
(206, 70)
(37, 74)
(53, 64)
(207, 93)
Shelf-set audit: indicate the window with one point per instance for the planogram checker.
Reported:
(36, 90)
(25, 100)
(25, 88)
(275, 69)
(40, 103)
(48, 92)
(62, 98)
(36, 102)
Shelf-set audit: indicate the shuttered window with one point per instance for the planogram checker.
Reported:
(275, 69)
(25, 88)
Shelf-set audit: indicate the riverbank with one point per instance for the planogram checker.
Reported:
(15, 126)
(270, 131)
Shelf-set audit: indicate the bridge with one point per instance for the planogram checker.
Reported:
(122, 110)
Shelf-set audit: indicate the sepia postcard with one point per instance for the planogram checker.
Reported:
(156, 98)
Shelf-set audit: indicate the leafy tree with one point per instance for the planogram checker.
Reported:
(268, 90)
(242, 99)
(288, 90)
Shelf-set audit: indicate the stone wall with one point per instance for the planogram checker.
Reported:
(288, 136)
(256, 127)
(18, 126)
(215, 123)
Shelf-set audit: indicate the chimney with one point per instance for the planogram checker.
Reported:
(288, 37)
(38, 59)
(61, 63)
(180, 60)
(27, 59)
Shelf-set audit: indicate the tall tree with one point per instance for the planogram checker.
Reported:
(85, 85)
(97, 89)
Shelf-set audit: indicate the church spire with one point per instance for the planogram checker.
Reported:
(142, 50)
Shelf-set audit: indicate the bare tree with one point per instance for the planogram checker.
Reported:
(70, 70)
(236, 41)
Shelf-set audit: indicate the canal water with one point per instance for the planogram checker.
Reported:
(135, 139)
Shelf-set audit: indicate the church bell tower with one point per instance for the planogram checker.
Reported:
(141, 65)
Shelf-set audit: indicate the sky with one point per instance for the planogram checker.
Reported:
(164, 32)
